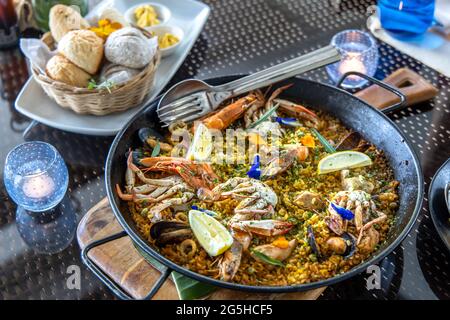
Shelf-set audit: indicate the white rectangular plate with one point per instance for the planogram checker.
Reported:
(32, 101)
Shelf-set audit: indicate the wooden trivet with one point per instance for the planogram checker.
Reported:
(121, 261)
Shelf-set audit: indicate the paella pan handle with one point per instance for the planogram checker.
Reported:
(110, 283)
(394, 107)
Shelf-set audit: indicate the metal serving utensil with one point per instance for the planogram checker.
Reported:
(191, 99)
(447, 195)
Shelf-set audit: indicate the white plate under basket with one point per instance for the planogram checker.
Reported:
(32, 101)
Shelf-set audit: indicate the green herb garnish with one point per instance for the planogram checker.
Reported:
(108, 85)
(156, 149)
(267, 259)
(92, 84)
(292, 220)
(265, 116)
(328, 147)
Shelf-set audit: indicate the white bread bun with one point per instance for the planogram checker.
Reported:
(63, 19)
(83, 48)
(129, 47)
(60, 69)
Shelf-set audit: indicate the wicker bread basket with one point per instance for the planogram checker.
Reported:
(98, 101)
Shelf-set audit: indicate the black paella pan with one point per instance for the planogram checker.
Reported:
(374, 126)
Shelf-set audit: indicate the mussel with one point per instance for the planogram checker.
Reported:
(150, 138)
(145, 133)
(313, 243)
(352, 141)
(164, 232)
(345, 245)
(138, 154)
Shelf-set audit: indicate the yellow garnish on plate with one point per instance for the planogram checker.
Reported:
(281, 242)
(105, 28)
(146, 16)
(210, 233)
(167, 40)
(308, 141)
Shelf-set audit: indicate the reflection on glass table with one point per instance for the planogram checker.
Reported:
(48, 232)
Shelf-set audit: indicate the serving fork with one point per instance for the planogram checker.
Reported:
(192, 99)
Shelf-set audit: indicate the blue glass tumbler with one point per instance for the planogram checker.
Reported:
(406, 20)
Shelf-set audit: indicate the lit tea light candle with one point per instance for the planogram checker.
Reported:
(35, 176)
(352, 62)
(40, 186)
(359, 53)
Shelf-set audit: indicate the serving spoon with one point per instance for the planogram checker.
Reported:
(191, 99)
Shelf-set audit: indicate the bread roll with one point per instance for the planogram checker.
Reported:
(61, 69)
(63, 19)
(83, 48)
(130, 48)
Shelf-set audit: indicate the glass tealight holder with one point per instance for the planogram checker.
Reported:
(359, 52)
(36, 176)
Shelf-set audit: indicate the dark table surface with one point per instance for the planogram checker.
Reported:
(241, 36)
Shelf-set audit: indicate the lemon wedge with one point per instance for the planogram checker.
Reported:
(210, 233)
(201, 146)
(343, 160)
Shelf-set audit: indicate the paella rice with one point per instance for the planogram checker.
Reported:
(289, 224)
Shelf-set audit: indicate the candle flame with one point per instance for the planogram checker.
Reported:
(38, 187)
(352, 63)
(400, 6)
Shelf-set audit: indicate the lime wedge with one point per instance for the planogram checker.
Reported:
(210, 233)
(343, 160)
(201, 146)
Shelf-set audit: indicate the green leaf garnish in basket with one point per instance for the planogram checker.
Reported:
(267, 259)
(328, 147)
(265, 116)
(92, 84)
(108, 85)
